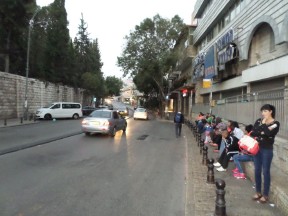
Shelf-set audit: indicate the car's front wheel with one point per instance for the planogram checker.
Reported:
(87, 133)
(47, 117)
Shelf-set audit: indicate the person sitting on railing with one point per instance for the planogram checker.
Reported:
(201, 126)
(199, 117)
(217, 137)
(242, 157)
(236, 131)
(208, 133)
(231, 148)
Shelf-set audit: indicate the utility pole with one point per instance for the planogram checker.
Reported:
(25, 108)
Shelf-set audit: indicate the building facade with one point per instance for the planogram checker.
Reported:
(249, 45)
(241, 47)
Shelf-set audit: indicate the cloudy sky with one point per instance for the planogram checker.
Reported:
(110, 21)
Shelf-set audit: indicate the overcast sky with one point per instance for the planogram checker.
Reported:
(110, 21)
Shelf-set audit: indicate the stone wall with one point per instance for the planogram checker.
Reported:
(39, 94)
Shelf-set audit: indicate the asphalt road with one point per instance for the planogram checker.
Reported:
(138, 173)
(24, 136)
(41, 132)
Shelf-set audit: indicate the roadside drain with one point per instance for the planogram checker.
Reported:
(143, 137)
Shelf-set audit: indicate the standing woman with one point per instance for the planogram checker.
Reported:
(264, 130)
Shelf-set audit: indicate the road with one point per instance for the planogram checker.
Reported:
(15, 138)
(140, 173)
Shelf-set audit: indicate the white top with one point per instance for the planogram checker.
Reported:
(238, 133)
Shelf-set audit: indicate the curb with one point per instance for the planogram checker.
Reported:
(18, 124)
(42, 142)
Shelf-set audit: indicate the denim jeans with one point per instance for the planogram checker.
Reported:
(262, 161)
(178, 127)
(238, 158)
(222, 147)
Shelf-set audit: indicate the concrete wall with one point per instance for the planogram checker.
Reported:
(12, 94)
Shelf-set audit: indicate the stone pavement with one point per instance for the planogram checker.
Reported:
(201, 196)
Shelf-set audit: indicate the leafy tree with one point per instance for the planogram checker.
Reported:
(39, 44)
(57, 45)
(14, 22)
(147, 56)
(113, 85)
(82, 43)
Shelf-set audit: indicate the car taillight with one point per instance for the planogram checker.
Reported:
(107, 123)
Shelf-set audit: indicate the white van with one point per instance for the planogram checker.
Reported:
(60, 110)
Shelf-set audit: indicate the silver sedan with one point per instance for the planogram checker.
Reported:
(104, 122)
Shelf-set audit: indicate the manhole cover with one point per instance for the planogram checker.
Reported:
(143, 137)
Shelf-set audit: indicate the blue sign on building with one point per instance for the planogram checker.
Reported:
(209, 64)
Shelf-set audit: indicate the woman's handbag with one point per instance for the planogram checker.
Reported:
(249, 144)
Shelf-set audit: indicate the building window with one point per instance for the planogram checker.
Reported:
(227, 19)
(233, 12)
(210, 36)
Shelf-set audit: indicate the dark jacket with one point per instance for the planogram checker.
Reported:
(181, 118)
(231, 143)
(263, 134)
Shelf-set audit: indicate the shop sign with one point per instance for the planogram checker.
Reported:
(199, 59)
(227, 54)
(225, 40)
(209, 64)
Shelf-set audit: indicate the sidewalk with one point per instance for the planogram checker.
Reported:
(15, 122)
(201, 197)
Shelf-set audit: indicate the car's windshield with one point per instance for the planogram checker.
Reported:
(140, 110)
(101, 114)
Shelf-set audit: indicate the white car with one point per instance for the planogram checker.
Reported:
(60, 110)
(140, 113)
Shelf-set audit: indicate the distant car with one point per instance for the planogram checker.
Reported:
(103, 107)
(104, 122)
(123, 111)
(140, 113)
(87, 110)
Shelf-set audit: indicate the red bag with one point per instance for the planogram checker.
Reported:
(249, 144)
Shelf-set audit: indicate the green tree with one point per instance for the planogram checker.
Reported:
(14, 22)
(88, 60)
(82, 43)
(57, 45)
(148, 56)
(113, 85)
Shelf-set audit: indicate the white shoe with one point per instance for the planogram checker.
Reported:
(217, 164)
(221, 169)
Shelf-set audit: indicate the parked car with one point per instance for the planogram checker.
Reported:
(123, 111)
(104, 122)
(140, 113)
(60, 110)
(87, 110)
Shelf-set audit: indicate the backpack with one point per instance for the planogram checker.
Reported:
(178, 118)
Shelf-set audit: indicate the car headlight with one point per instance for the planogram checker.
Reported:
(84, 122)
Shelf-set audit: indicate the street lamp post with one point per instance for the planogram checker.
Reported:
(25, 109)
